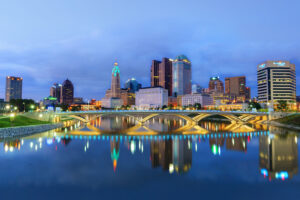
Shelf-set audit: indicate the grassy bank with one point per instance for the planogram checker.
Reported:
(19, 121)
(290, 120)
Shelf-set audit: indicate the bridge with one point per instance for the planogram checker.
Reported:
(191, 116)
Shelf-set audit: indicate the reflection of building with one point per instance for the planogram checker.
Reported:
(182, 155)
(67, 93)
(13, 88)
(114, 152)
(236, 144)
(182, 76)
(55, 91)
(151, 98)
(276, 81)
(161, 74)
(278, 156)
(192, 99)
(172, 154)
(161, 153)
(11, 145)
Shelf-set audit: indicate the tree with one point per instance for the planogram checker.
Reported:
(164, 107)
(22, 104)
(197, 106)
(64, 107)
(170, 107)
(282, 105)
(255, 105)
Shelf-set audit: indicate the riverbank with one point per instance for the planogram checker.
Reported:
(19, 120)
(27, 130)
(291, 122)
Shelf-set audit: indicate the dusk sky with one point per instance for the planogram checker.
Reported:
(51, 40)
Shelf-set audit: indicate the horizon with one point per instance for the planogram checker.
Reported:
(222, 40)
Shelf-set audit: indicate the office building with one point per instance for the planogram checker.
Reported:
(55, 91)
(276, 80)
(156, 97)
(13, 88)
(196, 88)
(161, 74)
(132, 85)
(67, 92)
(181, 75)
(215, 85)
(192, 99)
(236, 88)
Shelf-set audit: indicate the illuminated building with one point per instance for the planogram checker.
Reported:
(161, 74)
(55, 91)
(127, 97)
(112, 97)
(236, 87)
(147, 98)
(49, 102)
(215, 85)
(115, 82)
(276, 80)
(78, 100)
(132, 85)
(67, 92)
(181, 75)
(278, 156)
(192, 99)
(13, 88)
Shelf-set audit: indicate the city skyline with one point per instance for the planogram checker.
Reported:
(83, 47)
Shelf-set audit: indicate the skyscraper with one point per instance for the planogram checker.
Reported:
(161, 74)
(132, 85)
(276, 80)
(181, 75)
(13, 88)
(55, 91)
(216, 85)
(67, 92)
(236, 86)
(115, 82)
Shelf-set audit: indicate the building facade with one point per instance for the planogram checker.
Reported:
(55, 91)
(182, 76)
(132, 85)
(215, 85)
(115, 82)
(192, 99)
(196, 88)
(236, 87)
(67, 92)
(151, 98)
(161, 74)
(276, 80)
(13, 88)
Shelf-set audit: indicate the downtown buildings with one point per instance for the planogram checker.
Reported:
(13, 88)
(276, 80)
(63, 93)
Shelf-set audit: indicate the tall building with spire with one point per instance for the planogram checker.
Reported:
(115, 82)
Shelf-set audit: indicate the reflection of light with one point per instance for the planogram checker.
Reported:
(132, 146)
(36, 147)
(5, 147)
(49, 141)
(171, 168)
(11, 149)
(196, 147)
(216, 149)
(31, 144)
(283, 175)
(296, 140)
(264, 172)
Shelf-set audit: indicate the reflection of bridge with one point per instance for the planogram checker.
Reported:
(240, 117)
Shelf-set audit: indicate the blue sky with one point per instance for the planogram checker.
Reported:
(49, 41)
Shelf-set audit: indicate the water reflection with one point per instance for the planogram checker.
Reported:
(278, 156)
(172, 153)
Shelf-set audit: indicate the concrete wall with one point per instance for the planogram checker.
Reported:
(27, 130)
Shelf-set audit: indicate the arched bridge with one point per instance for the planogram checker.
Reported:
(191, 116)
